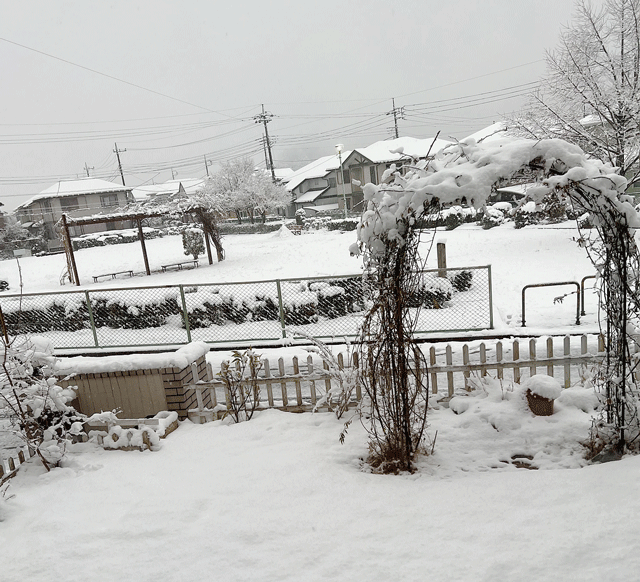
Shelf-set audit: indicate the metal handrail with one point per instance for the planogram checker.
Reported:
(582, 311)
(553, 285)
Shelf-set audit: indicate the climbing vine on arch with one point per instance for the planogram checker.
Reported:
(468, 172)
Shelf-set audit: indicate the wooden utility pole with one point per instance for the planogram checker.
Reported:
(396, 112)
(265, 118)
(117, 152)
(87, 168)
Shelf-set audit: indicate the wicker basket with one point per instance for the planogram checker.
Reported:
(539, 405)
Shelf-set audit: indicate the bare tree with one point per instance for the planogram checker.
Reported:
(239, 188)
(591, 94)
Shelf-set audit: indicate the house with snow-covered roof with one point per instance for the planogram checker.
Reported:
(309, 186)
(75, 198)
(326, 185)
(167, 191)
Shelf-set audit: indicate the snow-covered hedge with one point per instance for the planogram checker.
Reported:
(113, 237)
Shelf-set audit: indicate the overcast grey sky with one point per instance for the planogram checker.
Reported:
(196, 73)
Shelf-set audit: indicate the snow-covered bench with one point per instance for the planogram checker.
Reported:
(113, 275)
(179, 266)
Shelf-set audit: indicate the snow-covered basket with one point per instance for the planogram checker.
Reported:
(541, 391)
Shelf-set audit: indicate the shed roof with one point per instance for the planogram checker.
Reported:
(310, 195)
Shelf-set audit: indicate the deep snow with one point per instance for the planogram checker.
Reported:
(279, 498)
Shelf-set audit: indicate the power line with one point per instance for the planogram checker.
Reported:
(110, 76)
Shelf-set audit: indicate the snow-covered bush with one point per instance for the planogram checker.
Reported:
(461, 281)
(527, 214)
(491, 217)
(343, 225)
(433, 293)
(37, 407)
(301, 216)
(193, 242)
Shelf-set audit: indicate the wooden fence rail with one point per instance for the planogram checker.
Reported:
(9, 466)
(298, 386)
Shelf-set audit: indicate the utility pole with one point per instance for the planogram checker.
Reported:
(87, 168)
(265, 118)
(207, 163)
(396, 112)
(118, 152)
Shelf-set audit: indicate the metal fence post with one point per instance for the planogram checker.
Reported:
(91, 320)
(281, 307)
(490, 297)
(185, 313)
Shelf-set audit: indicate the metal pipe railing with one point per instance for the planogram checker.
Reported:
(582, 311)
(553, 285)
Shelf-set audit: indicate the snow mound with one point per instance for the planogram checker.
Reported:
(584, 399)
(282, 232)
(544, 386)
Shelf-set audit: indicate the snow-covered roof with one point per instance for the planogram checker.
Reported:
(392, 150)
(283, 173)
(489, 133)
(76, 188)
(316, 169)
(190, 185)
(591, 120)
(517, 188)
(310, 195)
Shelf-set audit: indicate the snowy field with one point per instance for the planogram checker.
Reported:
(517, 258)
(504, 496)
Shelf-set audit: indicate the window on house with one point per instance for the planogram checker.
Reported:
(107, 200)
(344, 177)
(332, 182)
(46, 206)
(69, 203)
(373, 178)
(356, 174)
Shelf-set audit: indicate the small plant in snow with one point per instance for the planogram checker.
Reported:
(240, 377)
(344, 375)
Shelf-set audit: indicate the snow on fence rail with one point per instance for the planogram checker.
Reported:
(245, 313)
(9, 466)
(297, 386)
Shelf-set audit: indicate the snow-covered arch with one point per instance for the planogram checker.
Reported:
(471, 171)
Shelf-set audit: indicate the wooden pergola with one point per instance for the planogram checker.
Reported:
(66, 222)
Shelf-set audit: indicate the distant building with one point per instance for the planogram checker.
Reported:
(326, 185)
(75, 198)
(167, 191)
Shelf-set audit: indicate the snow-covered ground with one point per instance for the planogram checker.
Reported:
(279, 498)
(517, 258)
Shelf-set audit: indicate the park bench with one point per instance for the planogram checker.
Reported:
(179, 266)
(112, 275)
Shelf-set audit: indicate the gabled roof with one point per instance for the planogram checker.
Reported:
(489, 133)
(190, 185)
(317, 169)
(77, 188)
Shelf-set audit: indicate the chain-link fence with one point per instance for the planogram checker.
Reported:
(239, 313)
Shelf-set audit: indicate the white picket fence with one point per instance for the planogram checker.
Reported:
(297, 387)
(9, 466)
